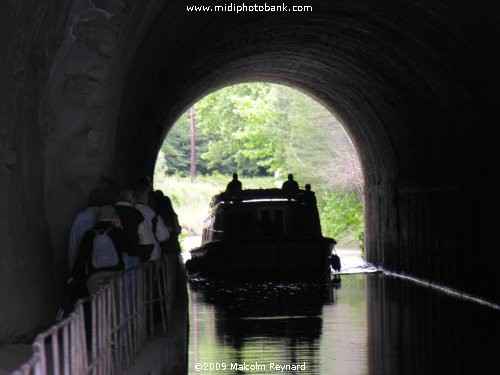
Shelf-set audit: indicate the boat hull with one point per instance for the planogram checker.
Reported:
(258, 259)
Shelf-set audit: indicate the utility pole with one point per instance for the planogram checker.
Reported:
(193, 146)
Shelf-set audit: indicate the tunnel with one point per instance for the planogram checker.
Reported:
(89, 89)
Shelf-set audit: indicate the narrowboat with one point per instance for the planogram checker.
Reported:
(263, 234)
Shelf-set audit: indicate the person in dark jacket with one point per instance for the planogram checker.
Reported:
(131, 219)
(108, 222)
(166, 211)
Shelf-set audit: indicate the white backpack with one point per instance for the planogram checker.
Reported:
(104, 253)
(160, 230)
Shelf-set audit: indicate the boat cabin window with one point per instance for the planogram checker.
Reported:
(218, 223)
(306, 220)
(299, 220)
(239, 222)
(271, 222)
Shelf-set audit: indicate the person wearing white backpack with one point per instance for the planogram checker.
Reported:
(152, 230)
(85, 220)
(101, 251)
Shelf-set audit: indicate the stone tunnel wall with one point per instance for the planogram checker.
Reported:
(415, 83)
(26, 272)
(62, 66)
(88, 89)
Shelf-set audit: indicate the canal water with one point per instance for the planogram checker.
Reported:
(358, 324)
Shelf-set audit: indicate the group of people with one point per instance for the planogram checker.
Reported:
(290, 185)
(108, 237)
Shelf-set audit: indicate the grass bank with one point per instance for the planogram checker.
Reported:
(191, 200)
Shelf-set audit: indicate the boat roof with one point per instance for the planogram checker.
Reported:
(256, 195)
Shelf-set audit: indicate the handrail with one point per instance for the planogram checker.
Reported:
(106, 331)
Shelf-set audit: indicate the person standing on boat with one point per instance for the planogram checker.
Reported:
(235, 185)
(308, 197)
(291, 185)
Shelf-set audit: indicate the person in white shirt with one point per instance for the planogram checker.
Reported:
(84, 221)
(153, 230)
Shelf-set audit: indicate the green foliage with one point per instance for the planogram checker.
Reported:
(341, 217)
(177, 149)
(262, 129)
(317, 147)
(236, 121)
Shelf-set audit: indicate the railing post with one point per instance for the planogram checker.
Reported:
(121, 317)
(41, 366)
(93, 322)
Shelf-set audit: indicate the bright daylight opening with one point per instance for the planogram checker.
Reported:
(263, 132)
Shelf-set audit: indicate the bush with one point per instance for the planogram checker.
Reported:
(341, 217)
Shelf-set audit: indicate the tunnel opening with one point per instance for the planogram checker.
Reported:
(263, 131)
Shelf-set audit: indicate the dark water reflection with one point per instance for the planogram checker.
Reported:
(368, 324)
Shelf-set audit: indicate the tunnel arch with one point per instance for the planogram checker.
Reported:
(389, 77)
(89, 86)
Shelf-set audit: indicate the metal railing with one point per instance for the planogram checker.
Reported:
(106, 331)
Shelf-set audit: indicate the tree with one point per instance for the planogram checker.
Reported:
(262, 128)
(176, 149)
(318, 148)
(235, 120)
